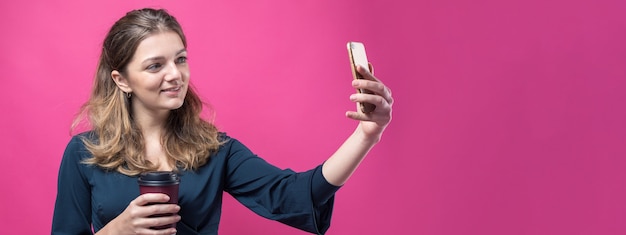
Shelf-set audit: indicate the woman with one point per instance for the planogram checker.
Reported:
(145, 117)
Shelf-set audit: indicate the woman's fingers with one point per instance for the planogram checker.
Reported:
(152, 223)
(357, 116)
(147, 214)
(168, 231)
(158, 209)
(374, 99)
(150, 204)
(377, 88)
(381, 114)
(366, 73)
(380, 96)
(374, 85)
(150, 218)
(149, 198)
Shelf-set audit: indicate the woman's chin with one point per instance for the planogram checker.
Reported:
(174, 104)
(177, 106)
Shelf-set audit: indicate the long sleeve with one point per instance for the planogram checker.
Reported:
(89, 196)
(72, 210)
(301, 200)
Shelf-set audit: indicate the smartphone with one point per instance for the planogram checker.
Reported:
(356, 51)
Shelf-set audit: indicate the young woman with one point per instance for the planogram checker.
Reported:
(145, 117)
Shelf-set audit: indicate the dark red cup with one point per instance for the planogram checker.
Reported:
(160, 182)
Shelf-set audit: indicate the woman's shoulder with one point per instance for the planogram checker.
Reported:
(230, 145)
(228, 141)
(90, 135)
(225, 140)
(76, 146)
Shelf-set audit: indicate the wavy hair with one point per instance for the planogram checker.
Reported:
(119, 145)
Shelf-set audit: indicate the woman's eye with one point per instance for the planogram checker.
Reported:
(181, 60)
(153, 67)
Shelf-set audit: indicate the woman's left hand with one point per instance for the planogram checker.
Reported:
(340, 166)
(374, 123)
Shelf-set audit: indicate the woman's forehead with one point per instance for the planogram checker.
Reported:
(161, 44)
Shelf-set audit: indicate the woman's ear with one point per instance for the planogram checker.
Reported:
(121, 81)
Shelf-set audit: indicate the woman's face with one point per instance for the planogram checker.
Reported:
(158, 74)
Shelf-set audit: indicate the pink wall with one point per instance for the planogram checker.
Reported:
(509, 115)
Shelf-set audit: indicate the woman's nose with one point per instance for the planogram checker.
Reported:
(173, 72)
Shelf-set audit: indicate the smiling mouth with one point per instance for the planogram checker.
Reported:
(172, 89)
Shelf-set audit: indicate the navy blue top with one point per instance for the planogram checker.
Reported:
(89, 195)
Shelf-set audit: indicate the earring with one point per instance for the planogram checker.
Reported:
(128, 95)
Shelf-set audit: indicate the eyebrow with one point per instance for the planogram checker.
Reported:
(163, 57)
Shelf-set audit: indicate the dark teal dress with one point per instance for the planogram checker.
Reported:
(90, 196)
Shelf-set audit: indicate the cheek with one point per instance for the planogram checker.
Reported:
(147, 82)
(185, 78)
(185, 75)
(152, 84)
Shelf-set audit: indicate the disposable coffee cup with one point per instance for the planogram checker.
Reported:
(160, 182)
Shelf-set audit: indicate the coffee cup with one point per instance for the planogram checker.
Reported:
(160, 182)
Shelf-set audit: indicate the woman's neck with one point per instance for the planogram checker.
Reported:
(152, 124)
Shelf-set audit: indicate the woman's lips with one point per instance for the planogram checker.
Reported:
(173, 91)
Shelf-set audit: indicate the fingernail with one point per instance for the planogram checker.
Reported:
(353, 97)
(355, 82)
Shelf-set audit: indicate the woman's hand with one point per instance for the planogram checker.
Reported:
(371, 124)
(340, 166)
(135, 219)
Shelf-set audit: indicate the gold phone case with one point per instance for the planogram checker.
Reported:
(356, 51)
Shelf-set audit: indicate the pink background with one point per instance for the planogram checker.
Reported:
(509, 115)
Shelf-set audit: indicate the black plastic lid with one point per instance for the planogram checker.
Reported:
(158, 178)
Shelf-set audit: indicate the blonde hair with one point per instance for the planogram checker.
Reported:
(119, 144)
